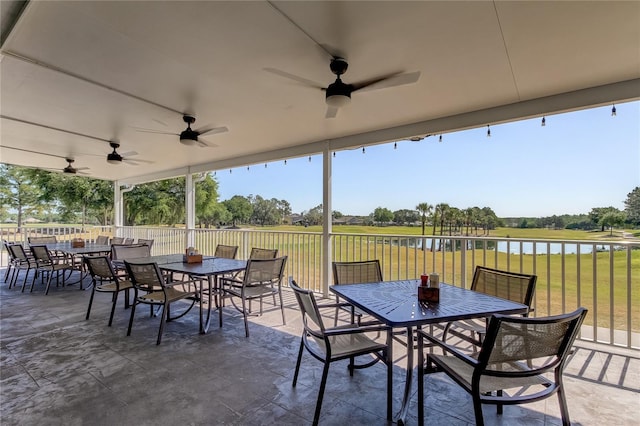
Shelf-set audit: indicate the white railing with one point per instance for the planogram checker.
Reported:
(596, 274)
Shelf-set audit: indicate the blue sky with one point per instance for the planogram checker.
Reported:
(579, 160)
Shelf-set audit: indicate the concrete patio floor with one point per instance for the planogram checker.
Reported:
(59, 369)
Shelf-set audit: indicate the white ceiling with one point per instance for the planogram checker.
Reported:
(103, 69)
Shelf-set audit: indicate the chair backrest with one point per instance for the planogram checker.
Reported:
(41, 254)
(122, 252)
(7, 247)
(17, 251)
(145, 242)
(128, 241)
(367, 271)
(100, 267)
(264, 271)
(311, 318)
(227, 252)
(43, 240)
(506, 285)
(117, 240)
(145, 276)
(102, 240)
(261, 253)
(538, 344)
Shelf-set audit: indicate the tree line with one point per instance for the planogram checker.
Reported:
(56, 197)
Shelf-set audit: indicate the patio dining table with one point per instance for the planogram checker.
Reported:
(210, 267)
(72, 252)
(395, 303)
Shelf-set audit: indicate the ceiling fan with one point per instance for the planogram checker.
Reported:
(191, 136)
(73, 170)
(338, 93)
(117, 158)
(69, 169)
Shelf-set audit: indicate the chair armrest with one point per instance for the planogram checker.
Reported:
(354, 330)
(448, 348)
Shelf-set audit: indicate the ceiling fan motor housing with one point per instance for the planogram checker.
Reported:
(338, 93)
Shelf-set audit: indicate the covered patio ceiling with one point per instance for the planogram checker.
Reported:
(77, 75)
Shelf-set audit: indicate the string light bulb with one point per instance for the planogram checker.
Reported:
(395, 145)
(309, 158)
(543, 122)
(285, 162)
(230, 171)
(247, 168)
(214, 173)
(265, 165)
(488, 131)
(363, 149)
(334, 154)
(440, 138)
(613, 110)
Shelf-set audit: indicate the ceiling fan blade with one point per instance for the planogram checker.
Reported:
(390, 81)
(302, 80)
(212, 130)
(143, 130)
(204, 144)
(136, 161)
(128, 154)
(331, 112)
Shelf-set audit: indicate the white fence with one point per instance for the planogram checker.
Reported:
(603, 276)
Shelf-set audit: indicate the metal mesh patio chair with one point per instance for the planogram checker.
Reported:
(105, 280)
(515, 355)
(49, 239)
(117, 240)
(333, 344)
(236, 278)
(145, 242)
(121, 252)
(262, 278)
(134, 251)
(227, 252)
(151, 289)
(48, 265)
(20, 261)
(506, 285)
(102, 240)
(367, 271)
(262, 253)
(128, 241)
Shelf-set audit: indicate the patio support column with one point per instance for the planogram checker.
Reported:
(190, 209)
(326, 220)
(118, 205)
(118, 210)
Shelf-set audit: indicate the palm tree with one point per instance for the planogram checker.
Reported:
(425, 210)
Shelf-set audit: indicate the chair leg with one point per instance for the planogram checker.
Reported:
(165, 314)
(133, 311)
(295, 375)
(284, 321)
(6, 274)
(49, 276)
(477, 409)
(420, 380)
(246, 320)
(564, 410)
(114, 301)
(93, 291)
(323, 383)
(499, 406)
